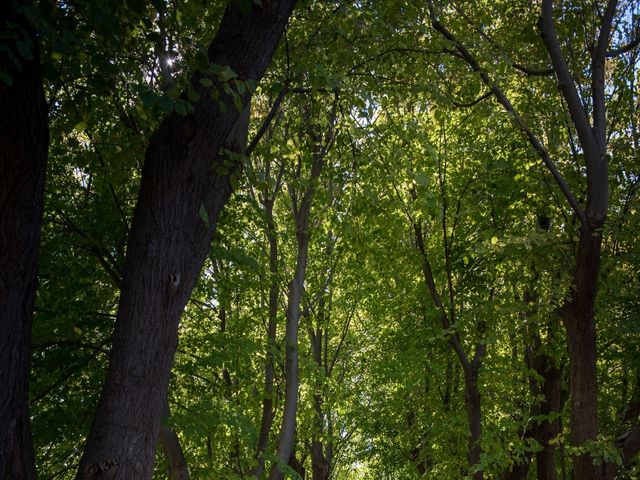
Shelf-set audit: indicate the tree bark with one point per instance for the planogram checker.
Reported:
(24, 140)
(579, 311)
(296, 288)
(474, 418)
(178, 469)
(185, 184)
(267, 404)
(548, 429)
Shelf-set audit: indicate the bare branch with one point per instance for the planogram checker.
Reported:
(473, 103)
(267, 121)
(532, 71)
(624, 49)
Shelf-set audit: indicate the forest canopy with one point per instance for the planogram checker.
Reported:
(324, 239)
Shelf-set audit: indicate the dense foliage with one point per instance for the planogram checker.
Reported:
(440, 251)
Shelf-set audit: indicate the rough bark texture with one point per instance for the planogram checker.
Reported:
(579, 311)
(24, 138)
(178, 469)
(169, 240)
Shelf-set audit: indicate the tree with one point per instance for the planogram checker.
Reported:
(433, 221)
(184, 187)
(24, 139)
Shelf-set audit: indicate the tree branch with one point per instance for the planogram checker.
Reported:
(624, 49)
(565, 80)
(504, 101)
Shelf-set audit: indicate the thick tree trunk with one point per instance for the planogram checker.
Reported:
(24, 140)
(184, 187)
(474, 418)
(579, 319)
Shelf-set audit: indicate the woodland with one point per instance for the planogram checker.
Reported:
(323, 239)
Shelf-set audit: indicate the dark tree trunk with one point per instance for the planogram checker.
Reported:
(579, 320)
(579, 310)
(170, 236)
(547, 430)
(474, 418)
(178, 469)
(24, 140)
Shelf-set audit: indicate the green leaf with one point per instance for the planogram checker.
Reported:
(6, 78)
(204, 216)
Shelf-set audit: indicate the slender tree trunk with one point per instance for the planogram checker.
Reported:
(178, 469)
(267, 403)
(548, 429)
(24, 140)
(176, 461)
(184, 187)
(320, 466)
(285, 440)
(296, 288)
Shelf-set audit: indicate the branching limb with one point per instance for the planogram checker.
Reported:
(504, 101)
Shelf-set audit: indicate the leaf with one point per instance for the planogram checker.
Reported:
(227, 73)
(494, 240)
(6, 78)
(422, 179)
(204, 216)
(81, 126)
(77, 330)
(24, 48)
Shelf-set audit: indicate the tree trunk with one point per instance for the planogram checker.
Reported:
(474, 418)
(285, 440)
(547, 430)
(267, 403)
(184, 187)
(319, 465)
(579, 319)
(24, 140)
(296, 288)
(579, 310)
(178, 469)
